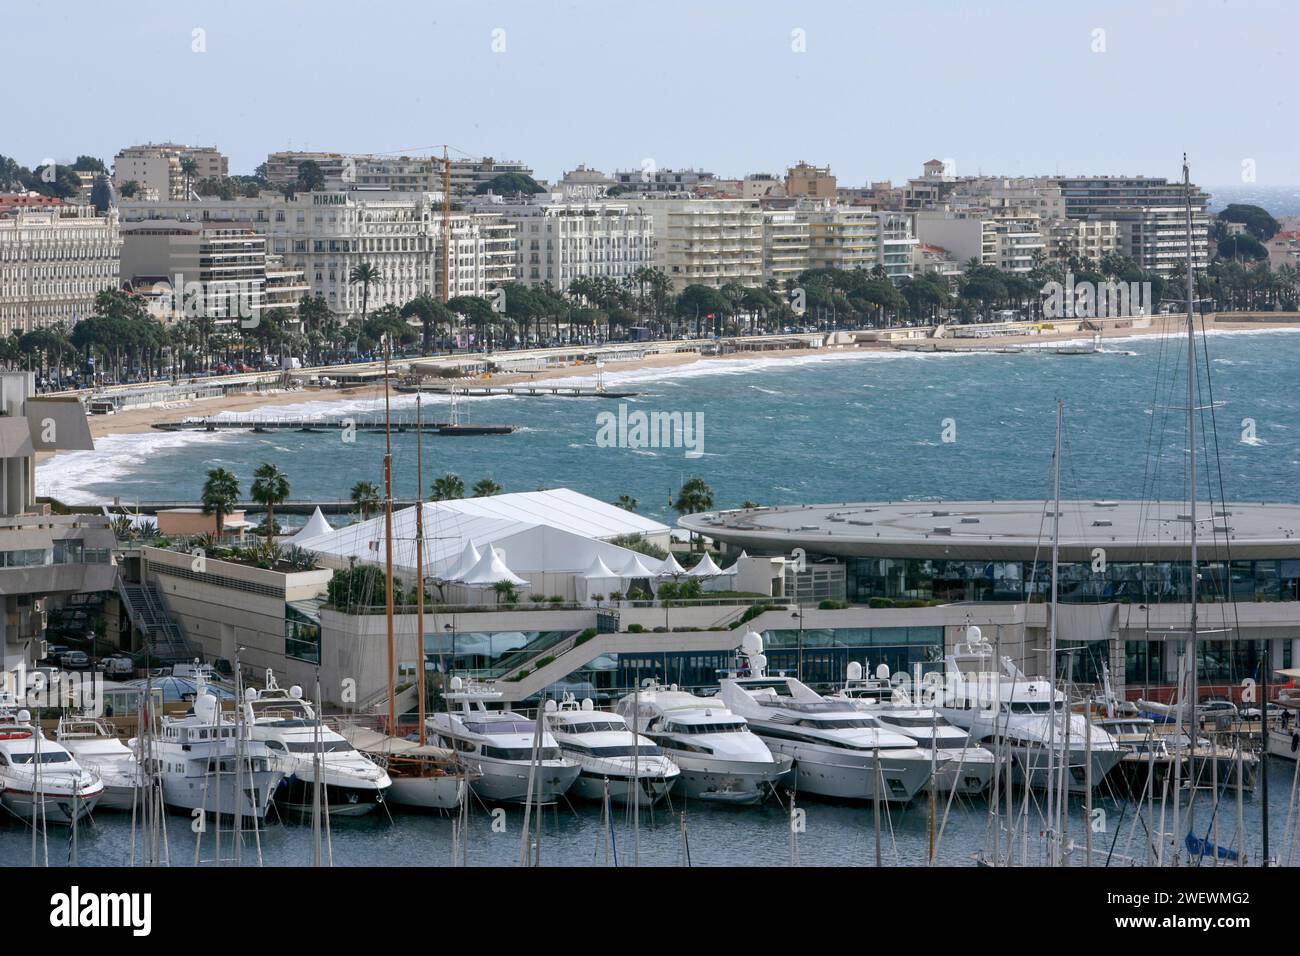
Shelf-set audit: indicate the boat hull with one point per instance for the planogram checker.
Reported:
(592, 785)
(507, 782)
(297, 796)
(58, 808)
(730, 781)
(1030, 765)
(442, 792)
(216, 794)
(852, 775)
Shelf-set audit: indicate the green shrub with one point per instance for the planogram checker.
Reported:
(636, 628)
(543, 661)
(585, 636)
(829, 605)
(880, 602)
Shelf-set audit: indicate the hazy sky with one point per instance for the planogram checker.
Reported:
(1012, 87)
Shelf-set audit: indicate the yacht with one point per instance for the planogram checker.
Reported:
(720, 758)
(297, 740)
(838, 751)
(1146, 752)
(1002, 707)
(206, 760)
(39, 776)
(960, 765)
(611, 758)
(95, 746)
(501, 746)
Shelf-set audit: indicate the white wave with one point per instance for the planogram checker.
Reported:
(115, 456)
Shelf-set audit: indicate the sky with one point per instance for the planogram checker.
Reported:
(872, 88)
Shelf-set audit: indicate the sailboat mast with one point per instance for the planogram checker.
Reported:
(1191, 491)
(419, 561)
(388, 542)
(1052, 796)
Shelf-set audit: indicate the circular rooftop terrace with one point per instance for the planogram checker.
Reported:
(1009, 530)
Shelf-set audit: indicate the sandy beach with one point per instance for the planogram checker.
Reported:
(137, 420)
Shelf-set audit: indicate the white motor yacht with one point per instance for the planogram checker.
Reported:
(838, 751)
(960, 764)
(298, 741)
(720, 758)
(205, 760)
(610, 757)
(94, 745)
(40, 775)
(501, 746)
(1002, 708)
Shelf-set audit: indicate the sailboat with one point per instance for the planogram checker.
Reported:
(423, 776)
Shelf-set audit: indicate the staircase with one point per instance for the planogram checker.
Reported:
(163, 639)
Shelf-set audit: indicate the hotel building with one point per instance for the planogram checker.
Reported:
(54, 260)
(711, 242)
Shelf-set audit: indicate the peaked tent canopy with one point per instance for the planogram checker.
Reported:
(469, 558)
(491, 570)
(316, 525)
(670, 568)
(705, 568)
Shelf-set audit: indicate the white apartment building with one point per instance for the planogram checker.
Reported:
(1083, 239)
(710, 242)
(559, 240)
(787, 238)
(1010, 240)
(650, 180)
(395, 173)
(858, 237)
(156, 167)
(53, 262)
(326, 234)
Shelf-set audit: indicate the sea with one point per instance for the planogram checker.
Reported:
(777, 833)
(846, 426)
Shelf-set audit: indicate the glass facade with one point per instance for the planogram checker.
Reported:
(301, 635)
(1121, 581)
(818, 656)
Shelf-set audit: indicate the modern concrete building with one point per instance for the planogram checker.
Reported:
(393, 173)
(786, 245)
(53, 262)
(709, 242)
(1124, 577)
(651, 180)
(1011, 240)
(157, 168)
(45, 558)
(218, 271)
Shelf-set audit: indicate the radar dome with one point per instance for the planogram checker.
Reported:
(974, 634)
(550, 706)
(588, 704)
(457, 683)
(752, 643)
(855, 670)
(206, 708)
(295, 692)
(882, 672)
(759, 661)
(250, 694)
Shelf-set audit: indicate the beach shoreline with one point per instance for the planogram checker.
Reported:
(142, 420)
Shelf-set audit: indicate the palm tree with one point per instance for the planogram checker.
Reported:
(626, 502)
(364, 274)
(448, 488)
(486, 488)
(694, 496)
(220, 496)
(189, 166)
(505, 589)
(365, 495)
(270, 487)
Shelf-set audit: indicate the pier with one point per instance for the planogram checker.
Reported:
(540, 391)
(328, 425)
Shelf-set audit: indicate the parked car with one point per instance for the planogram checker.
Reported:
(118, 665)
(74, 659)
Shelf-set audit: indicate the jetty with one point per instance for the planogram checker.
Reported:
(328, 425)
(540, 391)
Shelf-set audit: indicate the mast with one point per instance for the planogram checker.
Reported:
(1191, 491)
(388, 543)
(1052, 796)
(446, 225)
(419, 562)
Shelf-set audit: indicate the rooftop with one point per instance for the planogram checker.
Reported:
(1133, 530)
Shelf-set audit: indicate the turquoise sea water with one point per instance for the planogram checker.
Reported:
(847, 426)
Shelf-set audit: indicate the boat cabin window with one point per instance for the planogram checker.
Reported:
(589, 727)
(857, 723)
(504, 726)
(778, 687)
(937, 721)
(324, 746)
(1032, 707)
(721, 727)
(520, 753)
(47, 756)
(623, 750)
